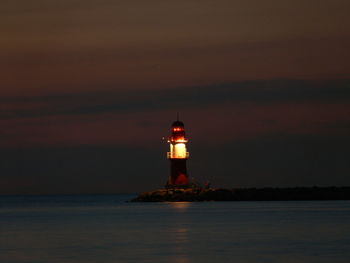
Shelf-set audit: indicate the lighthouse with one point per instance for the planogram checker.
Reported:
(178, 156)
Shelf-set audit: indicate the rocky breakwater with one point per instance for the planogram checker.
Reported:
(247, 194)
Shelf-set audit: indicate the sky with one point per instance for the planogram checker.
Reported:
(89, 89)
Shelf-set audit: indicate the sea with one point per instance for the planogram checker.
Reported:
(109, 229)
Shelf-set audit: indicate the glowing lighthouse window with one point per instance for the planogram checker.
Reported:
(178, 150)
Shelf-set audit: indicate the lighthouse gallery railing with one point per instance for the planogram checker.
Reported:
(173, 156)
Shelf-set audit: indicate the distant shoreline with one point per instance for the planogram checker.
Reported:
(245, 194)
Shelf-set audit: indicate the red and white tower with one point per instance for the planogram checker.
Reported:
(178, 156)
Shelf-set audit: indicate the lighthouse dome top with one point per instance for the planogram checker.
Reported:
(178, 124)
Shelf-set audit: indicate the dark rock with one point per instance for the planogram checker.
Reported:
(245, 194)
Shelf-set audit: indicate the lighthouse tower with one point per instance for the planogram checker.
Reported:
(178, 156)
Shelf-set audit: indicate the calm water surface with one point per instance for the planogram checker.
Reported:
(104, 228)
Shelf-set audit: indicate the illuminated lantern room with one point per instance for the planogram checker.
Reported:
(178, 156)
(178, 142)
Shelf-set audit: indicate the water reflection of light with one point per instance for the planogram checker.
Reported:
(180, 232)
(182, 259)
(181, 242)
(180, 235)
(180, 206)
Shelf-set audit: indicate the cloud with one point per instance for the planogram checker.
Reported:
(257, 92)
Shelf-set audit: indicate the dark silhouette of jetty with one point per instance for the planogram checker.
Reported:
(245, 194)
